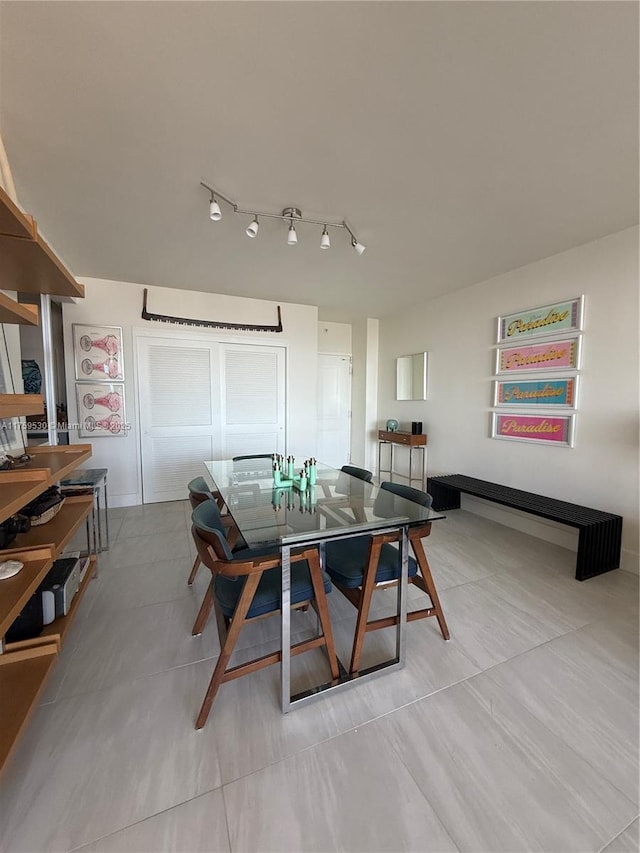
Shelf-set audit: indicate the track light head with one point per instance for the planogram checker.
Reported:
(359, 247)
(214, 209)
(292, 239)
(252, 228)
(325, 242)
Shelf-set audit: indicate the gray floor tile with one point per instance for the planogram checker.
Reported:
(498, 779)
(350, 793)
(144, 525)
(124, 587)
(489, 629)
(125, 644)
(99, 762)
(148, 548)
(198, 826)
(584, 687)
(627, 842)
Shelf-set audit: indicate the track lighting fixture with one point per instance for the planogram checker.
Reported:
(289, 214)
(214, 209)
(252, 229)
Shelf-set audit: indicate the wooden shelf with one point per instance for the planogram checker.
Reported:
(13, 222)
(17, 312)
(59, 627)
(16, 405)
(27, 263)
(31, 266)
(22, 677)
(16, 591)
(49, 464)
(58, 532)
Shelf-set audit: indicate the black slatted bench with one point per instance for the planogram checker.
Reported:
(600, 533)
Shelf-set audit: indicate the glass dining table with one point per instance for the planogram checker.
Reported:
(337, 506)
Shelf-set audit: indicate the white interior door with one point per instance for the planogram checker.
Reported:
(201, 400)
(334, 409)
(179, 420)
(253, 401)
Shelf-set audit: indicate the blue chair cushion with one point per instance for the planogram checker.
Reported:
(346, 561)
(269, 593)
(199, 486)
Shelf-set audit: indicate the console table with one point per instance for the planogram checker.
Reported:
(404, 439)
(89, 481)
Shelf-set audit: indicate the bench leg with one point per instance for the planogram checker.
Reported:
(599, 547)
(444, 497)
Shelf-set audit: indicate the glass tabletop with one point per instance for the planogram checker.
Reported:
(337, 504)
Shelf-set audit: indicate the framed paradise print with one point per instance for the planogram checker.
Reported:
(558, 430)
(561, 393)
(100, 409)
(562, 354)
(546, 320)
(97, 353)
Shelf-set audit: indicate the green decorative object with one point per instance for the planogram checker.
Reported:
(392, 425)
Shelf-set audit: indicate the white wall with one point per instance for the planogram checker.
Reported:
(459, 332)
(364, 393)
(118, 303)
(334, 338)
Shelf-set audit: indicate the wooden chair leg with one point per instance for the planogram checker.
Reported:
(194, 571)
(242, 608)
(368, 585)
(322, 609)
(222, 622)
(425, 571)
(203, 613)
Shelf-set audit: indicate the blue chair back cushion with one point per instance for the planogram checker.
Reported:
(269, 593)
(346, 561)
(199, 486)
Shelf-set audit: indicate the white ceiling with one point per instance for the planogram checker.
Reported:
(460, 140)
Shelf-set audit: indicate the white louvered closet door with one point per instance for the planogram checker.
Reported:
(179, 394)
(253, 407)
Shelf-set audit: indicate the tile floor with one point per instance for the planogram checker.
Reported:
(520, 734)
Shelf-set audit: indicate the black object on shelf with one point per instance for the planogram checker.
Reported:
(10, 528)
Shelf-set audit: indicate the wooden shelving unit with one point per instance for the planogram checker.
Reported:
(16, 405)
(59, 627)
(16, 591)
(58, 532)
(28, 265)
(22, 678)
(13, 222)
(17, 312)
(49, 464)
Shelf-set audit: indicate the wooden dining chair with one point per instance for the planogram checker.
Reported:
(360, 473)
(246, 587)
(360, 565)
(200, 491)
(207, 516)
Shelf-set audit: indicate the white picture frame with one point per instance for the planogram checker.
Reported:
(101, 409)
(97, 353)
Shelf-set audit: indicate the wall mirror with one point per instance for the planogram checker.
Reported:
(411, 380)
